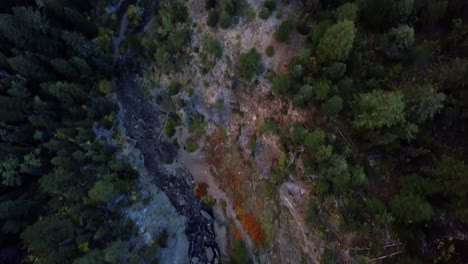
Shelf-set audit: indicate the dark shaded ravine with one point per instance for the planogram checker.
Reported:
(141, 121)
(140, 118)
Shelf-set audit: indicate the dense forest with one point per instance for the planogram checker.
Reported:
(383, 82)
(387, 84)
(62, 186)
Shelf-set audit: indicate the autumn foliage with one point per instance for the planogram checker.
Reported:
(230, 180)
(253, 227)
(201, 189)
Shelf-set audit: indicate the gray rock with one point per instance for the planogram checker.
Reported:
(205, 214)
(209, 254)
(182, 202)
(167, 152)
(195, 260)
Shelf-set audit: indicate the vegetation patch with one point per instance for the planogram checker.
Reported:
(247, 65)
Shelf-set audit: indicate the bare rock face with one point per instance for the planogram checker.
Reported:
(140, 119)
(167, 152)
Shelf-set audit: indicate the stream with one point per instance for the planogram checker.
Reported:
(140, 119)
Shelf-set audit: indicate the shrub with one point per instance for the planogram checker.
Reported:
(213, 46)
(134, 15)
(304, 96)
(264, 13)
(208, 200)
(229, 6)
(201, 189)
(195, 123)
(105, 87)
(173, 88)
(270, 4)
(336, 70)
(315, 139)
(297, 71)
(281, 83)
(382, 14)
(210, 4)
(434, 11)
(411, 208)
(253, 227)
(212, 19)
(252, 144)
(347, 11)
(403, 36)
(322, 88)
(169, 127)
(270, 51)
(191, 145)
(421, 54)
(284, 30)
(225, 20)
(247, 65)
(332, 107)
(268, 126)
(240, 253)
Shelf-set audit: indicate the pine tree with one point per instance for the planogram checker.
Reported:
(337, 42)
(47, 234)
(423, 102)
(65, 68)
(379, 109)
(30, 69)
(80, 23)
(12, 109)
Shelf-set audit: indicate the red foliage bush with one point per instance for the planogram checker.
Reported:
(201, 189)
(253, 227)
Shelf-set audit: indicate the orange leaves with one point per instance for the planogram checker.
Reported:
(230, 180)
(253, 227)
(201, 190)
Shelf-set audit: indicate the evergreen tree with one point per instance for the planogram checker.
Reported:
(411, 209)
(423, 102)
(47, 234)
(337, 42)
(379, 109)
(30, 68)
